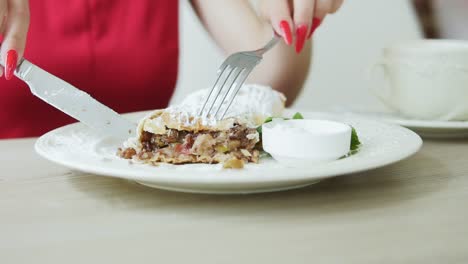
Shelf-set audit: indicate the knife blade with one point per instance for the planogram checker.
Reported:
(74, 102)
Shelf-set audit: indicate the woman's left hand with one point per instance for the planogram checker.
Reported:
(299, 18)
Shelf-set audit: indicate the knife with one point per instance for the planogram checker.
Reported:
(74, 102)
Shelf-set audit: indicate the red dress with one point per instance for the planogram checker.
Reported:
(124, 53)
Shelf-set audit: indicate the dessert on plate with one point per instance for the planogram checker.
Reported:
(178, 135)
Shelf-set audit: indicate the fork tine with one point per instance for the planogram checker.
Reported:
(229, 71)
(241, 64)
(242, 77)
(230, 84)
(218, 77)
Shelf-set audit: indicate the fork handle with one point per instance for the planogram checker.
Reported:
(269, 45)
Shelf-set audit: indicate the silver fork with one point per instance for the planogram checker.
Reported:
(230, 77)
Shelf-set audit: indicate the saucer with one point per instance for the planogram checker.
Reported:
(425, 128)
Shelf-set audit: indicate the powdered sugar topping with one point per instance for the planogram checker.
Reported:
(252, 104)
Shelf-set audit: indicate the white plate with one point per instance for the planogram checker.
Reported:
(425, 128)
(80, 148)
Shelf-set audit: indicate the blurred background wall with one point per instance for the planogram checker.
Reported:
(347, 44)
(446, 19)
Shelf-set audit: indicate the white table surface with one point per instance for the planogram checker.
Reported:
(412, 212)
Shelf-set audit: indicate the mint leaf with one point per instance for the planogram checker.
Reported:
(268, 120)
(355, 143)
(297, 116)
(259, 130)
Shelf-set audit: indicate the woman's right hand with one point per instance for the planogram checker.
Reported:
(297, 17)
(14, 24)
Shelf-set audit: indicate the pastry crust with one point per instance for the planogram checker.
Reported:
(159, 121)
(178, 135)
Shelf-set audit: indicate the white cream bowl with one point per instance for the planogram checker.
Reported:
(304, 142)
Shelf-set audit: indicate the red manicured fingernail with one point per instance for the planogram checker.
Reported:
(301, 32)
(315, 24)
(10, 64)
(284, 25)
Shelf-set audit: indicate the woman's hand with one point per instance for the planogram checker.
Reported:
(236, 26)
(14, 24)
(299, 16)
